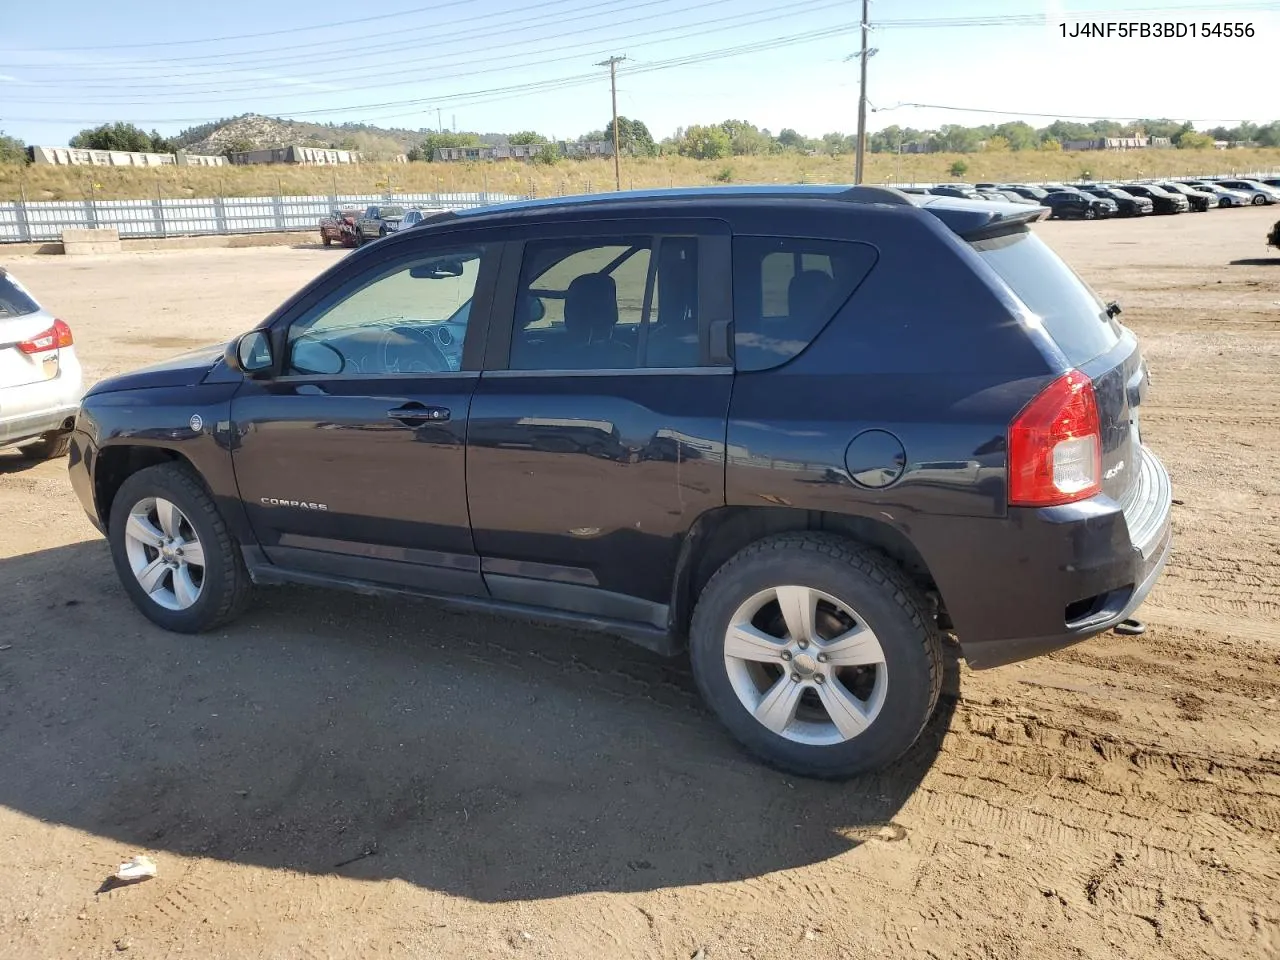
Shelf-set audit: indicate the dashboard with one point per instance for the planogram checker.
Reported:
(397, 345)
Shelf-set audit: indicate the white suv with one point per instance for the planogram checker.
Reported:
(40, 379)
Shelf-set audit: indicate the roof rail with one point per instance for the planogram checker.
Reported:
(866, 194)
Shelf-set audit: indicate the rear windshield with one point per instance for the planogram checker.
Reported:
(14, 301)
(1072, 313)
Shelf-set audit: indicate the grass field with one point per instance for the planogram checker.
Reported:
(108, 183)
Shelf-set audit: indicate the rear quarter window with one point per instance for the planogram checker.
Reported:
(1074, 316)
(786, 290)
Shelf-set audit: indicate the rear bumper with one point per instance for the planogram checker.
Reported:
(1043, 579)
(29, 426)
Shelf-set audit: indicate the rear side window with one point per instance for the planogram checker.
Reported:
(786, 289)
(1072, 313)
(14, 301)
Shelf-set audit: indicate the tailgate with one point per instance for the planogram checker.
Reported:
(18, 367)
(1091, 340)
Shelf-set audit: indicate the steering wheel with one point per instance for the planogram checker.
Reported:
(408, 349)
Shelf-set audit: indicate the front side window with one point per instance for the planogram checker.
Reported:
(786, 290)
(613, 303)
(408, 318)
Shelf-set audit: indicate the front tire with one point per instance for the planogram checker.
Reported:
(51, 446)
(1258, 200)
(1090, 213)
(818, 654)
(173, 552)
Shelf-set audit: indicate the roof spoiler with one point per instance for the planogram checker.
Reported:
(865, 194)
(1004, 221)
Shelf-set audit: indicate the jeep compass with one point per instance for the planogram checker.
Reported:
(796, 434)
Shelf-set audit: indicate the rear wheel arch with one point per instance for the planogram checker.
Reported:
(717, 535)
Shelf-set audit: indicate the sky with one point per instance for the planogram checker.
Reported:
(507, 65)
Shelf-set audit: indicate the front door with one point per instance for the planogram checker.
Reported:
(351, 461)
(597, 429)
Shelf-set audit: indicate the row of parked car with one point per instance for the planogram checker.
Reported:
(351, 226)
(1094, 201)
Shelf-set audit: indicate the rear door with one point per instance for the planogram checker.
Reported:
(597, 429)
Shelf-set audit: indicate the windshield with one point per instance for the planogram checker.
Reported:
(14, 301)
(1072, 313)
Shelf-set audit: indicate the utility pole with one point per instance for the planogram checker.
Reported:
(439, 119)
(612, 64)
(862, 97)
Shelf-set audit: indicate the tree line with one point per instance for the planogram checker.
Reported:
(729, 138)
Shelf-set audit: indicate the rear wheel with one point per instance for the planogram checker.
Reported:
(49, 447)
(328, 241)
(818, 654)
(173, 553)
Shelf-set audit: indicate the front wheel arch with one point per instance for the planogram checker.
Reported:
(116, 464)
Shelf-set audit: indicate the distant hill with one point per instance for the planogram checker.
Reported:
(252, 131)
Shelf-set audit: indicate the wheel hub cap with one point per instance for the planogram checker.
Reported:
(804, 664)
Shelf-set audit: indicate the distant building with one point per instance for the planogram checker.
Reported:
(1117, 143)
(521, 151)
(587, 148)
(307, 156)
(77, 157)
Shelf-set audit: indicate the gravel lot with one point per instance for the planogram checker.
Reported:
(346, 777)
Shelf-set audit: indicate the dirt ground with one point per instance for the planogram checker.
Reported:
(336, 776)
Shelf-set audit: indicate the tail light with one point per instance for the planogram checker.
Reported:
(56, 337)
(1055, 445)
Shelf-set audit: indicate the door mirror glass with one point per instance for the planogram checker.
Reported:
(253, 352)
(316, 357)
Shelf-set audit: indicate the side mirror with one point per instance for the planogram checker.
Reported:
(250, 354)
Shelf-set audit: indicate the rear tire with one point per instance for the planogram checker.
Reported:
(328, 241)
(49, 447)
(764, 685)
(216, 589)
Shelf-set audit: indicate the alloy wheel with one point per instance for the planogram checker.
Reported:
(805, 665)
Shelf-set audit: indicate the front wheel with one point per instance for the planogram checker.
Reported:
(173, 553)
(1090, 214)
(1259, 200)
(818, 654)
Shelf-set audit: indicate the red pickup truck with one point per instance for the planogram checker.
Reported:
(340, 225)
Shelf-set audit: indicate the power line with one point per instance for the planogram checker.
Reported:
(510, 92)
(265, 33)
(404, 39)
(418, 75)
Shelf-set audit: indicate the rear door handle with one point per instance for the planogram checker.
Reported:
(415, 412)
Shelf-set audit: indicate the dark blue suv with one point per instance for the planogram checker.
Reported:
(800, 433)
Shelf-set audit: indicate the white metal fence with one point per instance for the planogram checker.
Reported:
(45, 220)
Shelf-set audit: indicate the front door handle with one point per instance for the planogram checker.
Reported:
(415, 412)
